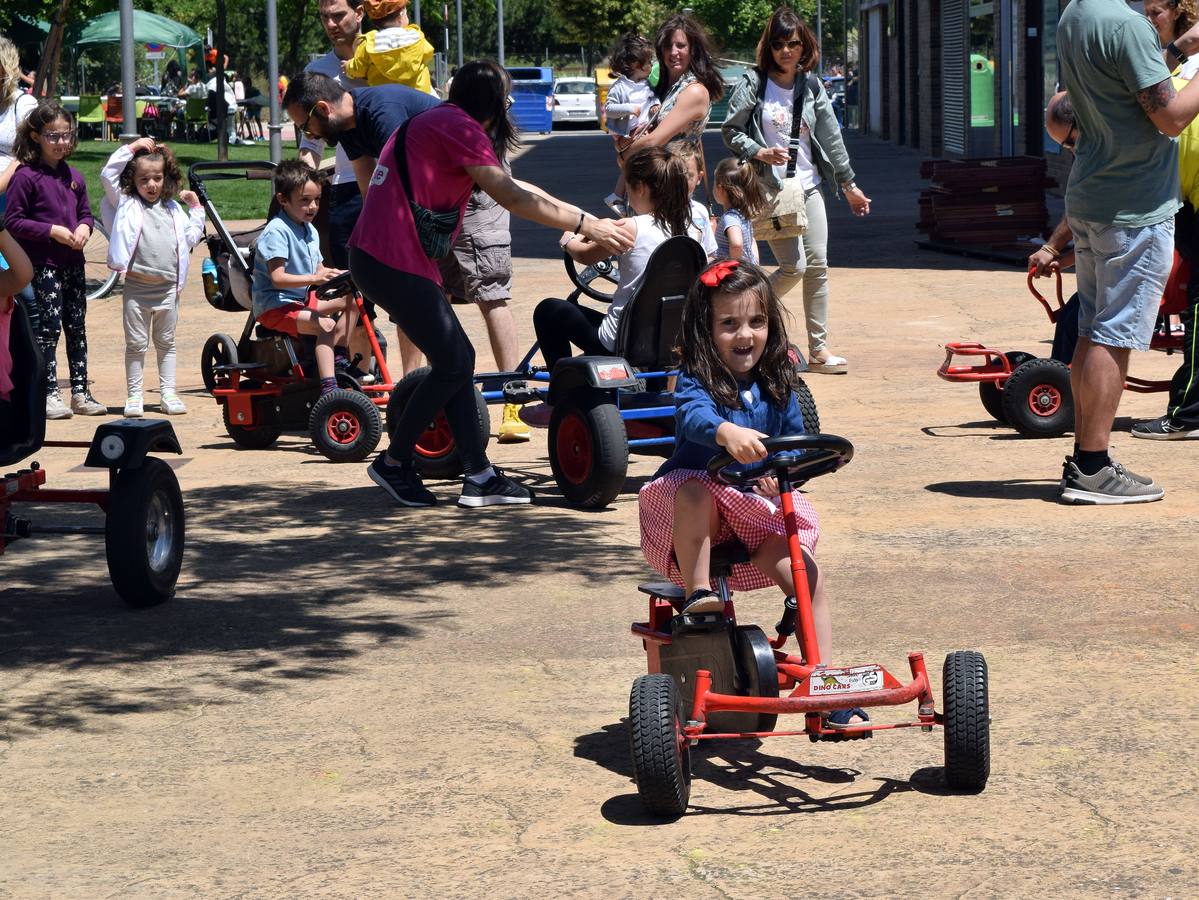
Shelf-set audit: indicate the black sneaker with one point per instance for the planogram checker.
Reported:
(497, 490)
(345, 367)
(702, 600)
(1164, 429)
(402, 481)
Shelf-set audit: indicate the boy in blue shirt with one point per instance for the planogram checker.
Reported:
(288, 262)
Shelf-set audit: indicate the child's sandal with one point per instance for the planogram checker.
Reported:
(842, 721)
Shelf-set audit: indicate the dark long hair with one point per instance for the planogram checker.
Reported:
(665, 174)
(481, 89)
(740, 181)
(25, 148)
(774, 373)
(783, 23)
(172, 178)
(701, 65)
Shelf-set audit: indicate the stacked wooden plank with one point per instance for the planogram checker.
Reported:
(991, 202)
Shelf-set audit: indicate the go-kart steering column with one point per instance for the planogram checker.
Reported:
(799, 574)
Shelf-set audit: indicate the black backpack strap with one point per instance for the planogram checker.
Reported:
(401, 155)
(798, 99)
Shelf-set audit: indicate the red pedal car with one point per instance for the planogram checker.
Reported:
(710, 678)
(1033, 395)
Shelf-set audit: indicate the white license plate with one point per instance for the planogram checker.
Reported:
(857, 680)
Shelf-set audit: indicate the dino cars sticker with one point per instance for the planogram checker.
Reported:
(856, 680)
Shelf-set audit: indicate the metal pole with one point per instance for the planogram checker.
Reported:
(499, 20)
(820, 29)
(416, 11)
(272, 73)
(128, 76)
(1006, 55)
(458, 12)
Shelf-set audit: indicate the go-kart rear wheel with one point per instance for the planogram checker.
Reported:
(759, 673)
(219, 350)
(1037, 400)
(251, 437)
(967, 721)
(589, 449)
(345, 426)
(435, 453)
(989, 392)
(143, 533)
(807, 406)
(660, 753)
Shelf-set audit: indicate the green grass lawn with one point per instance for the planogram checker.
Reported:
(232, 199)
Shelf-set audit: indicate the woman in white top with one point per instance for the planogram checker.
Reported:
(758, 129)
(15, 107)
(661, 206)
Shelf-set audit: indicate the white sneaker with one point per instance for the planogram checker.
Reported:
(56, 409)
(172, 405)
(134, 408)
(86, 405)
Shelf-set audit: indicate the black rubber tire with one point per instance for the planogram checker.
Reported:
(436, 455)
(589, 448)
(143, 533)
(759, 673)
(1044, 383)
(256, 437)
(989, 392)
(967, 721)
(807, 406)
(661, 757)
(345, 426)
(219, 350)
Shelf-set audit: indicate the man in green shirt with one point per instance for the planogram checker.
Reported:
(1120, 203)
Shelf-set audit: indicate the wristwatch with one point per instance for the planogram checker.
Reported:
(849, 186)
(1172, 49)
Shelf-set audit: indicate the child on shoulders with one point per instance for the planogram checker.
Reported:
(630, 103)
(150, 243)
(737, 386)
(288, 261)
(397, 53)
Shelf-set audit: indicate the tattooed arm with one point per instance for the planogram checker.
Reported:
(1171, 111)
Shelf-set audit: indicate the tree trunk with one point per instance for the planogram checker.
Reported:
(46, 79)
(294, 35)
(222, 118)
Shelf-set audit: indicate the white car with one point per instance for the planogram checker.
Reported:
(574, 100)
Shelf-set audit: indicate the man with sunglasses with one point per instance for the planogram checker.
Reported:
(1120, 201)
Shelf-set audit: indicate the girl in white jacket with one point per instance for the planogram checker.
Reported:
(150, 240)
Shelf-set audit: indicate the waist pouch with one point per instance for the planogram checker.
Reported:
(435, 230)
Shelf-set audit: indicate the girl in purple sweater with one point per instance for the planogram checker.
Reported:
(48, 214)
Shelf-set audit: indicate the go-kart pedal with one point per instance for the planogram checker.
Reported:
(681, 624)
(520, 393)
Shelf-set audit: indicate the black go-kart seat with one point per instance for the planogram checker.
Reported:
(649, 323)
(720, 565)
(23, 415)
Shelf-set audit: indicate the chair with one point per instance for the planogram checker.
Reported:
(114, 114)
(649, 325)
(91, 112)
(195, 116)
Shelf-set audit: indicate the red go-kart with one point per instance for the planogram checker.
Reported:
(711, 678)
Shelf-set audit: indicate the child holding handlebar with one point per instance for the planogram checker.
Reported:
(737, 385)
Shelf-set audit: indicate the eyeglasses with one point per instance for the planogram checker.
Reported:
(59, 137)
(508, 101)
(1068, 142)
(780, 46)
(304, 126)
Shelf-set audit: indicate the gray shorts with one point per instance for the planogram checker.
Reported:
(1122, 272)
(479, 266)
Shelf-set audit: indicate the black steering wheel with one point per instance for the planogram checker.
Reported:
(800, 456)
(605, 270)
(338, 286)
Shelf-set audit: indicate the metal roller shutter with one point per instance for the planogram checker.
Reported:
(953, 76)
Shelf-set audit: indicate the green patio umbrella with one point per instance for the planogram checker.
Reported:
(148, 28)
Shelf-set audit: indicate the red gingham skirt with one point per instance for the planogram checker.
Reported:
(746, 517)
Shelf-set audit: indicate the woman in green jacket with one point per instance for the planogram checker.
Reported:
(758, 128)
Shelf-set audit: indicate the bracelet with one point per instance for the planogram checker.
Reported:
(1052, 251)
(1172, 49)
(579, 227)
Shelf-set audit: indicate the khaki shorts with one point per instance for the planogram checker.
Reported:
(479, 265)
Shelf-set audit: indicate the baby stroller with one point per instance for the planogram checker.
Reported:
(266, 380)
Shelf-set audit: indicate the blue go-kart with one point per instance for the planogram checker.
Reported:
(604, 407)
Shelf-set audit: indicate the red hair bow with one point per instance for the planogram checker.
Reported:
(715, 274)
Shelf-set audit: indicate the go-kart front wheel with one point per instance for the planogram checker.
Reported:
(1037, 399)
(143, 533)
(435, 453)
(345, 426)
(660, 752)
(967, 721)
(589, 449)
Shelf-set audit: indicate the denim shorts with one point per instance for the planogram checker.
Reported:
(1122, 272)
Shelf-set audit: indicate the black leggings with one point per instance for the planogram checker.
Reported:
(419, 307)
(560, 323)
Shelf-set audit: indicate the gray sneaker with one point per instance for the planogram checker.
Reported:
(86, 405)
(56, 409)
(1111, 485)
(1164, 429)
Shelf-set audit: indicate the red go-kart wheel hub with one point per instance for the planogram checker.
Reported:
(437, 439)
(343, 427)
(1044, 400)
(574, 449)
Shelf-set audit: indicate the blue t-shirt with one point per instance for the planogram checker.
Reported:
(378, 112)
(284, 239)
(731, 218)
(697, 416)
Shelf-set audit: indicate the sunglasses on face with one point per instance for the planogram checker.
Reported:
(304, 126)
(58, 137)
(780, 46)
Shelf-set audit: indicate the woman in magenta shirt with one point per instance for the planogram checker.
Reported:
(450, 149)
